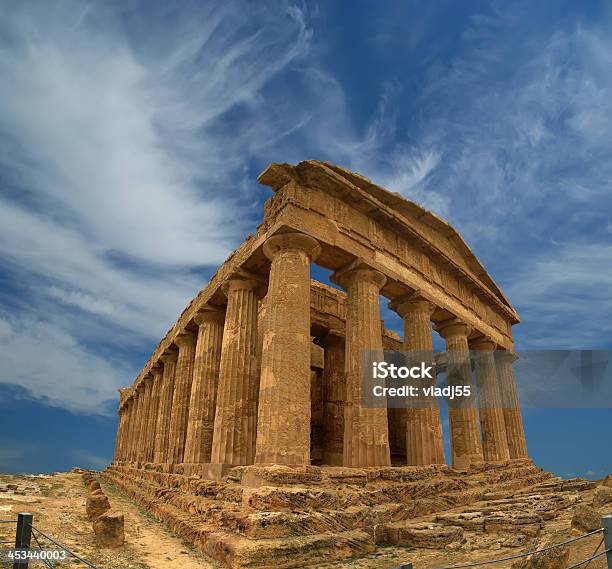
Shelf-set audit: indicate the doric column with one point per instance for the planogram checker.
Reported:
(334, 388)
(462, 412)
(124, 422)
(366, 432)
(236, 412)
(137, 420)
(200, 427)
(183, 378)
(154, 398)
(133, 425)
(424, 440)
(165, 406)
(517, 445)
(119, 435)
(494, 442)
(127, 438)
(147, 383)
(283, 423)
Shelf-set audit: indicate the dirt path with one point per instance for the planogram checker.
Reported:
(58, 505)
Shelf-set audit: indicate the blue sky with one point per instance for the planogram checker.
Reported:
(131, 134)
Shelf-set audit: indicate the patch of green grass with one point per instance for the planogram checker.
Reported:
(48, 490)
(111, 489)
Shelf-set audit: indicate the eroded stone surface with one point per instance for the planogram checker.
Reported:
(96, 504)
(109, 529)
(555, 558)
(294, 515)
(603, 496)
(586, 518)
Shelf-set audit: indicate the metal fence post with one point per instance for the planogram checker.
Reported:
(23, 535)
(606, 523)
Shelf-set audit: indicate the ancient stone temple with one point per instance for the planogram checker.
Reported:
(254, 394)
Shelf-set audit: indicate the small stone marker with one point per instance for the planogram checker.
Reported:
(97, 503)
(108, 529)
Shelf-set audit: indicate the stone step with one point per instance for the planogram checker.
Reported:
(189, 485)
(239, 552)
(269, 525)
(306, 551)
(286, 524)
(269, 498)
(335, 513)
(515, 521)
(556, 484)
(418, 534)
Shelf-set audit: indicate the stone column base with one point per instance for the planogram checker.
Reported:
(192, 468)
(215, 470)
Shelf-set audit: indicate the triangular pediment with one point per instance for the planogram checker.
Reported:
(426, 225)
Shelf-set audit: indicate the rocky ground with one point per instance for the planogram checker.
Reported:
(497, 527)
(58, 504)
(563, 514)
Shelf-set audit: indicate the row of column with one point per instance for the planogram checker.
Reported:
(229, 395)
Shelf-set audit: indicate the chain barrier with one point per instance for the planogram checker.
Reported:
(607, 539)
(20, 555)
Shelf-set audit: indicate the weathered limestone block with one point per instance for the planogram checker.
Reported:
(186, 342)
(576, 484)
(366, 435)
(109, 529)
(421, 534)
(474, 521)
(462, 413)
(93, 485)
(494, 440)
(280, 475)
(200, 427)
(162, 430)
(555, 558)
(283, 424)
(607, 481)
(513, 419)
(513, 522)
(424, 440)
(317, 356)
(96, 504)
(603, 496)
(586, 518)
(237, 393)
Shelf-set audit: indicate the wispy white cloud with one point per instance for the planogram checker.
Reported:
(565, 296)
(119, 188)
(523, 132)
(56, 368)
(129, 138)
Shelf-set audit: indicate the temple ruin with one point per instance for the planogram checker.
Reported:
(257, 385)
